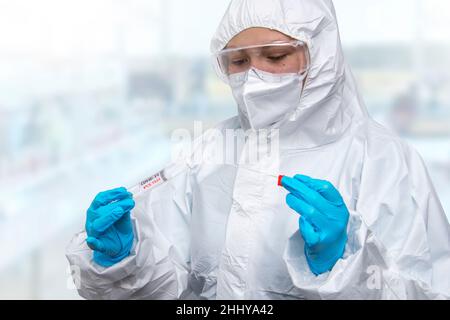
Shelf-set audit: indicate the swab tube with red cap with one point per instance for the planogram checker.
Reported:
(174, 170)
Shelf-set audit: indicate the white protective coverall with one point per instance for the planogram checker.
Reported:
(225, 232)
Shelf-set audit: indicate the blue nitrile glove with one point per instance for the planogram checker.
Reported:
(323, 220)
(108, 226)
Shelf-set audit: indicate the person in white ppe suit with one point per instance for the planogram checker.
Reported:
(218, 231)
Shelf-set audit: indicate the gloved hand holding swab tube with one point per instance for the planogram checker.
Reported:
(323, 219)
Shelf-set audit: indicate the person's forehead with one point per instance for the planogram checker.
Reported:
(256, 36)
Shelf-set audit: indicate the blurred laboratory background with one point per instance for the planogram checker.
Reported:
(91, 90)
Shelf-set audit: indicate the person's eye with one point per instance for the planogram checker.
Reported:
(239, 62)
(277, 58)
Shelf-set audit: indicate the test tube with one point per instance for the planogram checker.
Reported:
(175, 169)
(158, 178)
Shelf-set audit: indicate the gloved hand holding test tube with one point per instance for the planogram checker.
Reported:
(323, 219)
(109, 225)
(108, 222)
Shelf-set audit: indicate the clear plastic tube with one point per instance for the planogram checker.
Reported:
(257, 171)
(158, 178)
(174, 170)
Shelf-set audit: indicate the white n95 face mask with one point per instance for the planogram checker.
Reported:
(263, 98)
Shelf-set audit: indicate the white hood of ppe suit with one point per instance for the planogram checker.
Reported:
(226, 232)
(329, 101)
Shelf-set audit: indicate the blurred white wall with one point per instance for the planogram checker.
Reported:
(90, 91)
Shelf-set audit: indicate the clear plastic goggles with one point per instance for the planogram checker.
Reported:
(276, 58)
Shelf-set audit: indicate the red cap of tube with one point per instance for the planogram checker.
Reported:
(279, 180)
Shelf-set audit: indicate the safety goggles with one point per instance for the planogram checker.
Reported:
(275, 58)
